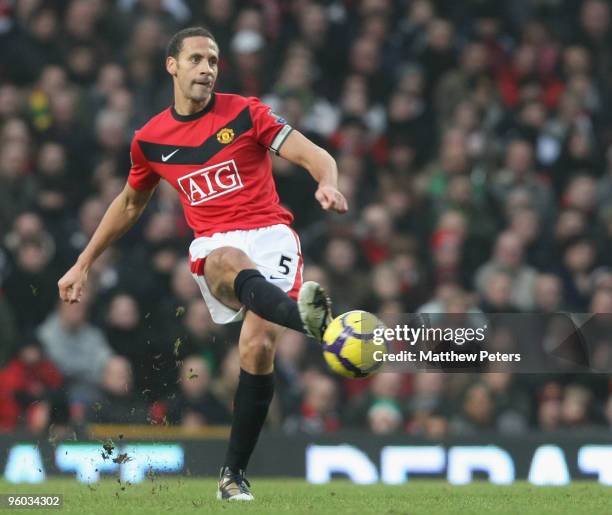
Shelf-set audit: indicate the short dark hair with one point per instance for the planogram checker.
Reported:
(175, 45)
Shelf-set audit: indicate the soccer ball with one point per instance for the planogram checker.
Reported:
(348, 345)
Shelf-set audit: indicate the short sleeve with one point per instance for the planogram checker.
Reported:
(141, 177)
(271, 130)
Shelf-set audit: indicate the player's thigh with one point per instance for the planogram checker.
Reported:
(257, 344)
(276, 251)
(221, 268)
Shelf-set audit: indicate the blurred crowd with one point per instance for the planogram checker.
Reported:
(474, 142)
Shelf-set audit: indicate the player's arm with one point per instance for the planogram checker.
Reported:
(298, 149)
(119, 217)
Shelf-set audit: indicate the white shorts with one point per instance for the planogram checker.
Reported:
(275, 250)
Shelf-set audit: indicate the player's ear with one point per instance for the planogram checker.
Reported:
(171, 65)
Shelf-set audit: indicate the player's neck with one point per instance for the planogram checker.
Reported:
(185, 106)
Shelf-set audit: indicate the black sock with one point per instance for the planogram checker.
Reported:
(267, 300)
(251, 402)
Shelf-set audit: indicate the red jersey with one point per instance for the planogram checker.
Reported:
(218, 160)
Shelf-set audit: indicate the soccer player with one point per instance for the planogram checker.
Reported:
(214, 149)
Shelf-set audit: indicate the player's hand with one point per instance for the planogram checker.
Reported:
(331, 199)
(71, 286)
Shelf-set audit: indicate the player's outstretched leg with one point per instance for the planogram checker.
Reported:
(251, 402)
(234, 279)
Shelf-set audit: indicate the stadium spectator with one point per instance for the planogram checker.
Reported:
(497, 294)
(78, 234)
(319, 408)
(384, 417)
(125, 333)
(426, 406)
(118, 402)
(526, 223)
(576, 406)
(456, 85)
(78, 349)
(17, 187)
(31, 281)
(477, 411)
(348, 287)
(577, 262)
(508, 257)
(30, 394)
(512, 405)
(518, 172)
(548, 294)
(201, 335)
(379, 407)
(55, 189)
(549, 408)
(195, 405)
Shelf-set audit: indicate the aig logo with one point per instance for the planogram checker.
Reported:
(211, 182)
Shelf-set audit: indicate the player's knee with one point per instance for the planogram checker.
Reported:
(257, 353)
(222, 266)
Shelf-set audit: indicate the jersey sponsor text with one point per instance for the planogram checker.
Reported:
(211, 182)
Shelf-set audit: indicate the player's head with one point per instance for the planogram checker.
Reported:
(192, 59)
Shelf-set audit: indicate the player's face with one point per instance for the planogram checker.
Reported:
(195, 70)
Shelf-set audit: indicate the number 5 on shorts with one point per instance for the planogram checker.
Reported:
(282, 264)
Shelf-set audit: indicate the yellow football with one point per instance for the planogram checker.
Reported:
(348, 345)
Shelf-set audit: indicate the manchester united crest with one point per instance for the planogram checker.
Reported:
(225, 136)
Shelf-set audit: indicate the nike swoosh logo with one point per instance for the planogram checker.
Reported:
(273, 277)
(165, 158)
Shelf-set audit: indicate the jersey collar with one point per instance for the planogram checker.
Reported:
(193, 116)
